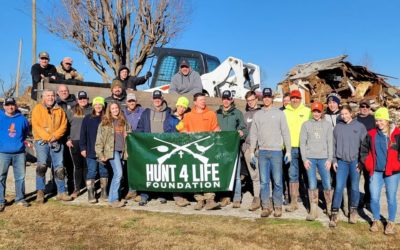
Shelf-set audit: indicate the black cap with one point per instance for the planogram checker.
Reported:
(267, 92)
(157, 94)
(365, 102)
(82, 95)
(184, 62)
(10, 101)
(227, 94)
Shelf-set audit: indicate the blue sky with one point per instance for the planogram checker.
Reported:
(273, 34)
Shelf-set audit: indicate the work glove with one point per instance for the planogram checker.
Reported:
(253, 160)
(287, 158)
(148, 75)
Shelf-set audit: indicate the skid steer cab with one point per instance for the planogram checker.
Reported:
(232, 74)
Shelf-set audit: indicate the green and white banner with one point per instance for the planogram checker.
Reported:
(183, 162)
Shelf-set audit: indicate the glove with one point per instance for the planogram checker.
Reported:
(287, 158)
(253, 160)
(148, 75)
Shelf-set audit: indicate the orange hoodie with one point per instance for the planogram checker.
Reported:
(48, 123)
(205, 121)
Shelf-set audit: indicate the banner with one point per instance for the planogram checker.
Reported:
(182, 162)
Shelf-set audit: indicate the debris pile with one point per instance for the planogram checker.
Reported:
(317, 79)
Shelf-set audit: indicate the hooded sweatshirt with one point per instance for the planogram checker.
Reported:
(248, 119)
(347, 139)
(205, 121)
(130, 82)
(316, 140)
(269, 130)
(295, 119)
(189, 84)
(13, 132)
(120, 100)
(133, 116)
(149, 118)
(332, 117)
(231, 120)
(75, 123)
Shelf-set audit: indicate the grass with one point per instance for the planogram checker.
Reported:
(69, 227)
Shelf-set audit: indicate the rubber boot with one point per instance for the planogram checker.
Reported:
(294, 193)
(328, 199)
(103, 186)
(313, 198)
(90, 191)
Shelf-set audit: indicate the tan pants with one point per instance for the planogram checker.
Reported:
(254, 173)
(205, 196)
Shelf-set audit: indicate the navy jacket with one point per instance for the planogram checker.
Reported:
(87, 141)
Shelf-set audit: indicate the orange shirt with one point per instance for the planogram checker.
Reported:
(200, 122)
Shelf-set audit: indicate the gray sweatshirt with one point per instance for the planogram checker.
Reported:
(190, 83)
(248, 120)
(75, 123)
(347, 139)
(316, 140)
(269, 130)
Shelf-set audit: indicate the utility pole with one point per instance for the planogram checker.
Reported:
(18, 69)
(33, 32)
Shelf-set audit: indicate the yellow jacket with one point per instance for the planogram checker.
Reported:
(48, 123)
(295, 119)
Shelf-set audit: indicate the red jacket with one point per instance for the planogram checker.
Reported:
(368, 155)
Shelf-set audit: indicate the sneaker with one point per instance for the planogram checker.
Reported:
(63, 197)
(2, 207)
(22, 203)
(389, 230)
(374, 226)
(236, 204)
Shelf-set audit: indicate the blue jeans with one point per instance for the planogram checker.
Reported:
(270, 163)
(92, 165)
(43, 152)
(376, 182)
(323, 172)
(344, 170)
(18, 163)
(294, 166)
(116, 164)
(238, 184)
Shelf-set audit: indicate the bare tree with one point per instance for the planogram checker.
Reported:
(8, 90)
(112, 33)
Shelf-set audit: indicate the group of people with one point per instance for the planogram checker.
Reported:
(281, 147)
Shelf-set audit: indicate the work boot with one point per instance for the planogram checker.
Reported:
(389, 230)
(211, 204)
(294, 194)
(130, 195)
(353, 215)
(374, 226)
(2, 207)
(328, 199)
(313, 197)
(90, 191)
(75, 194)
(256, 204)
(103, 187)
(225, 201)
(199, 205)
(138, 198)
(345, 203)
(63, 197)
(182, 202)
(117, 204)
(236, 204)
(334, 219)
(277, 211)
(40, 196)
(266, 212)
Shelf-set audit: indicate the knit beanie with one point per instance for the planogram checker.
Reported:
(333, 97)
(98, 100)
(382, 114)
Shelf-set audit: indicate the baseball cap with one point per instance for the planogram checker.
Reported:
(316, 105)
(10, 101)
(295, 93)
(44, 54)
(267, 92)
(226, 94)
(184, 62)
(131, 96)
(82, 95)
(157, 94)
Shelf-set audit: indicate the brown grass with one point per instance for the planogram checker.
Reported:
(58, 226)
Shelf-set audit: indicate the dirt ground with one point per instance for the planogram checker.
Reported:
(78, 225)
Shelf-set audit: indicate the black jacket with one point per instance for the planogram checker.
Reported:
(36, 72)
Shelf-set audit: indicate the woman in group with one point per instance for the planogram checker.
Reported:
(172, 125)
(87, 143)
(316, 150)
(111, 147)
(75, 117)
(380, 156)
(347, 138)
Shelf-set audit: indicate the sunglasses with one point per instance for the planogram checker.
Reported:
(68, 64)
(364, 106)
(44, 58)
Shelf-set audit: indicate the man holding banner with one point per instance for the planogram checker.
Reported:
(201, 119)
(270, 131)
